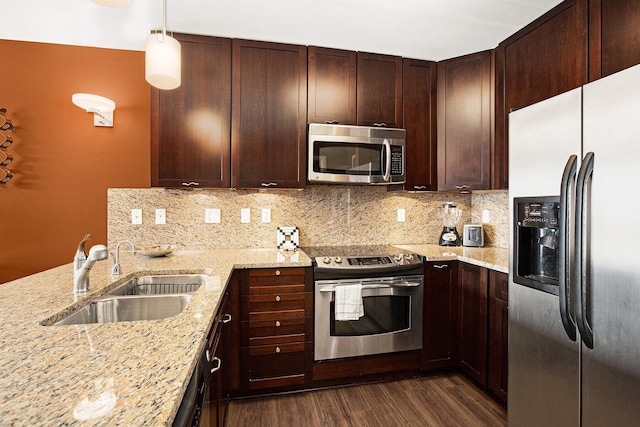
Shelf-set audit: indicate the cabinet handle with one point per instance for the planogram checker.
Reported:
(463, 188)
(332, 122)
(381, 124)
(226, 318)
(191, 184)
(277, 349)
(277, 323)
(277, 298)
(277, 272)
(218, 364)
(269, 184)
(419, 187)
(440, 267)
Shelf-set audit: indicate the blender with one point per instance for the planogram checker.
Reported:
(450, 217)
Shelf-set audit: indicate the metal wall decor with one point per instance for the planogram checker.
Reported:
(5, 141)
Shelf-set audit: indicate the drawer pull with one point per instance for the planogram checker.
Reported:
(218, 363)
(226, 318)
(277, 298)
(277, 272)
(277, 323)
(277, 349)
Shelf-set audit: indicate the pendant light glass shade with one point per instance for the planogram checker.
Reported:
(112, 3)
(162, 61)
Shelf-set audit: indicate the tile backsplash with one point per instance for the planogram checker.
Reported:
(325, 215)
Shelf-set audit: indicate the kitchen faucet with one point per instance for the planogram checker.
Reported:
(82, 264)
(116, 264)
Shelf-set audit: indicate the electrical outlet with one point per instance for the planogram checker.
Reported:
(245, 215)
(266, 215)
(161, 216)
(485, 216)
(401, 215)
(212, 216)
(136, 216)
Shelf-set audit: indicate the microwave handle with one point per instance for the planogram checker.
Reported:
(387, 149)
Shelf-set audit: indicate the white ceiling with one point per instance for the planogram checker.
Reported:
(420, 29)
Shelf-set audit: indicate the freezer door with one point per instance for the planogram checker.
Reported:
(543, 362)
(611, 370)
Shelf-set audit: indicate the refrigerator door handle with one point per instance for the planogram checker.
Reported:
(564, 270)
(582, 254)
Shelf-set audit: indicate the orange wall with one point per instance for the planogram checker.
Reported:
(63, 164)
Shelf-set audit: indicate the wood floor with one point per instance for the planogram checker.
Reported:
(440, 400)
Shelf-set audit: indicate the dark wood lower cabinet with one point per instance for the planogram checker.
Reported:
(438, 340)
(498, 334)
(216, 399)
(472, 321)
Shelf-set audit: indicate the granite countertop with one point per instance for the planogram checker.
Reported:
(491, 258)
(127, 373)
(115, 374)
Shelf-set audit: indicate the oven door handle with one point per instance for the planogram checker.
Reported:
(332, 288)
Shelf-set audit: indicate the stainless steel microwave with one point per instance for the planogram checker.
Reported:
(343, 154)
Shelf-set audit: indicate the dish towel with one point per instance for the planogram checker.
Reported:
(348, 302)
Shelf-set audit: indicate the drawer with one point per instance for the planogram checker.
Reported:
(275, 315)
(277, 289)
(268, 328)
(277, 350)
(279, 341)
(276, 302)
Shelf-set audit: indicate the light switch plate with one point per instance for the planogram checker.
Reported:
(245, 215)
(401, 215)
(136, 216)
(266, 215)
(161, 216)
(212, 216)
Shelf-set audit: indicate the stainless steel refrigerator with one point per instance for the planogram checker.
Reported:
(574, 347)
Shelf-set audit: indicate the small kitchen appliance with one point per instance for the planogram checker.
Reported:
(473, 235)
(450, 217)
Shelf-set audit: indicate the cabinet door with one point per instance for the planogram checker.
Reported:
(472, 321)
(190, 125)
(498, 334)
(419, 85)
(438, 347)
(544, 59)
(465, 106)
(269, 116)
(332, 86)
(379, 90)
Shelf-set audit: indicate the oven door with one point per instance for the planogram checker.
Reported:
(392, 318)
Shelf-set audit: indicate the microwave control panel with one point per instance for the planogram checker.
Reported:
(541, 214)
(396, 160)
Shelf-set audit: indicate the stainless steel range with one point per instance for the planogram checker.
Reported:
(368, 300)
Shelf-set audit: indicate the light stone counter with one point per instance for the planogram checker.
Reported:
(114, 374)
(491, 258)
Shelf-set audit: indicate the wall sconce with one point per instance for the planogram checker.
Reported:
(101, 107)
(162, 57)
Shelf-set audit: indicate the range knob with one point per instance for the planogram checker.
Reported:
(338, 260)
(326, 260)
(398, 257)
(408, 257)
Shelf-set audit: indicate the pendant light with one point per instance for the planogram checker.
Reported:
(162, 57)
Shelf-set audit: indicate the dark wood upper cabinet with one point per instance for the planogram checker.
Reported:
(419, 98)
(269, 114)
(544, 59)
(190, 125)
(332, 86)
(614, 36)
(379, 99)
(465, 122)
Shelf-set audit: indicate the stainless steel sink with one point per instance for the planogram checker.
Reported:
(127, 308)
(140, 298)
(161, 285)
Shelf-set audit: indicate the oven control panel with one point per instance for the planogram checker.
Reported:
(384, 261)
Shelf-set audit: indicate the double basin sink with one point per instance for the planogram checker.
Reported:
(140, 298)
